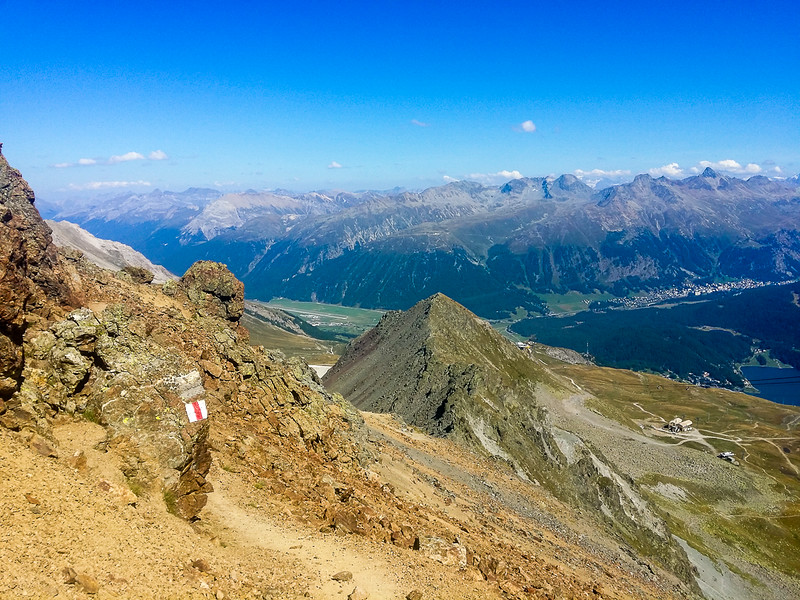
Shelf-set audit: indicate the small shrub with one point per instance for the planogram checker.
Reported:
(170, 501)
(91, 415)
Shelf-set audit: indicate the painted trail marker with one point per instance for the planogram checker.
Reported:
(196, 411)
(190, 388)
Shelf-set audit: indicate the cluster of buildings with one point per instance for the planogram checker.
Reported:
(688, 290)
(678, 425)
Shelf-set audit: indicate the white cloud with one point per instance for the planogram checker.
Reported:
(595, 176)
(125, 157)
(419, 123)
(120, 158)
(83, 162)
(580, 174)
(100, 185)
(495, 178)
(449, 179)
(731, 166)
(670, 170)
(334, 165)
(527, 126)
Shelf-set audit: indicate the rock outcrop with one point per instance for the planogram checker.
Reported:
(29, 279)
(214, 290)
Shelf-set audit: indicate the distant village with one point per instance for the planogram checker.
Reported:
(688, 290)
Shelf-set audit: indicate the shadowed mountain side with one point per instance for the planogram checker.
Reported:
(444, 370)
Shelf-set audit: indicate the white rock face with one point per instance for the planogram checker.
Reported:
(104, 253)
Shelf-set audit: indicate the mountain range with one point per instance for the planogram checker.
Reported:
(492, 248)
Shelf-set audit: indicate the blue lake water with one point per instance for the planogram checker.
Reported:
(779, 385)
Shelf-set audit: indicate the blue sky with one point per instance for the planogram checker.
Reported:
(105, 96)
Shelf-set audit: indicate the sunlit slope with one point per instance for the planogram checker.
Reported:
(746, 514)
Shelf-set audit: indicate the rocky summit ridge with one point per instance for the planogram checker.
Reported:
(444, 370)
(78, 340)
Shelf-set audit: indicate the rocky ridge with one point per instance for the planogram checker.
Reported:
(444, 370)
(131, 356)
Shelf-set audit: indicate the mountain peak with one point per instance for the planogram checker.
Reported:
(444, 370)
(381, 370)
(709, 172)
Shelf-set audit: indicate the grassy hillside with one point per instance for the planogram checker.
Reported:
(750, 510)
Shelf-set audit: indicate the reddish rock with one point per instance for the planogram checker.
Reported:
(492, 568)
(211, 368)
(77, 461)
(201, 565)
(358, 594)
(138, 274)
(345, 521)
(403, 536)
(43, 447)
(88, 583)
(29, 276)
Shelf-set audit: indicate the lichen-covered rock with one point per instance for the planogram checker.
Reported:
(135, 387)
(139, 274)
(214, 290)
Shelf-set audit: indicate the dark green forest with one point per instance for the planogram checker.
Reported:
(709, 335)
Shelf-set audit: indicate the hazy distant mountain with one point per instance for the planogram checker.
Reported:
(493, 248)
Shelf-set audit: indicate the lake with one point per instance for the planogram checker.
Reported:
(778, 385)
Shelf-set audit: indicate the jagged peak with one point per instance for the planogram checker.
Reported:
(709, 172)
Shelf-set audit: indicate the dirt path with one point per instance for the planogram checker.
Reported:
(320, 556)
(383, 571)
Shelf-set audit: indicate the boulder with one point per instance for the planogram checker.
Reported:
(138, 274)
(214, 290)
(452, 554)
